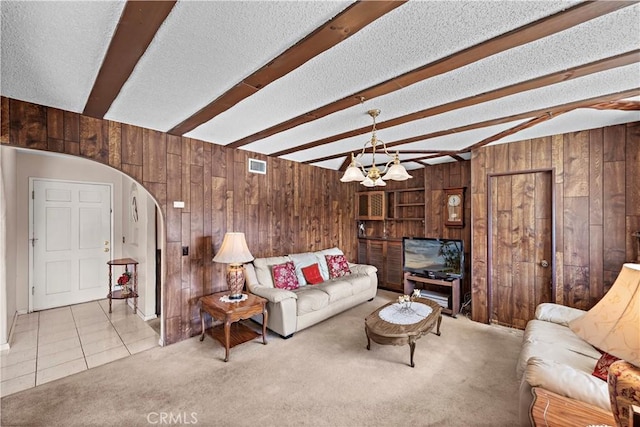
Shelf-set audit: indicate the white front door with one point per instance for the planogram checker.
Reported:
(71, 242)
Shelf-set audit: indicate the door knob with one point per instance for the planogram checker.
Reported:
(106, 242)
(106, 249)
(544, 263)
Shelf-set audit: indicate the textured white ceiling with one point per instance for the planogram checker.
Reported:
(204, 48)
(52, 51)
(408, 37)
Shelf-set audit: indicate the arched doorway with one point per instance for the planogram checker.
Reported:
(139, 237)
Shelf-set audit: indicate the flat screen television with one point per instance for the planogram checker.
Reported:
(433, 258)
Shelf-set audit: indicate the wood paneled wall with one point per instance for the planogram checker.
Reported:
(434, 179)
(597, 187)
(293, 208)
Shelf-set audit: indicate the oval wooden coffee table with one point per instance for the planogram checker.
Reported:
(387, 333)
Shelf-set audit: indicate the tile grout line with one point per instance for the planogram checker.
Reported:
(84, 356)
(115, 329)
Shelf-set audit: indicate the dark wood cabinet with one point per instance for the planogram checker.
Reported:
(393, 265)
(386, 256)
(371, 205)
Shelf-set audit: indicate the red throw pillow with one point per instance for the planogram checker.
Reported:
(602, 366)
(338, 265)
(284, 276)
(312, 274)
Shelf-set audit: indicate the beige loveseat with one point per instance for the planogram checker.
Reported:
(556, 359)
(293, 310)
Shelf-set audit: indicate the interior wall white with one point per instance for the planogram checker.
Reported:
(33, 164)
(8, 237)
(139, 242)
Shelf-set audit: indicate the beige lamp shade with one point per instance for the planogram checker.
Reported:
(234, 250)
(352, 174)
(397, 172)
(613, 324)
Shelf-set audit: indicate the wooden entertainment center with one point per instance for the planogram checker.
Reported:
(452, 287)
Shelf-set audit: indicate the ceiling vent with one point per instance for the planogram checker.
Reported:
(258, 166)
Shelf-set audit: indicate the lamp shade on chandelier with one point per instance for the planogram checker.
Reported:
(374, 177)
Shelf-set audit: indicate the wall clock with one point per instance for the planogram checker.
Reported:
(454, 207)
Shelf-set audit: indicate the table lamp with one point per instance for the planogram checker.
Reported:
(234, 251)
(613, 326)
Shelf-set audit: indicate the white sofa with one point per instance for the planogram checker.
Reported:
(554, 358)
(293, 310)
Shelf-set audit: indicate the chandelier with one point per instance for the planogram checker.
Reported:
(374, 177)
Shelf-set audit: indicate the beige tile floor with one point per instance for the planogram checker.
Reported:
(55, 343)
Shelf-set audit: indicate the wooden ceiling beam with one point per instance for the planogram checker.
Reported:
(501, 120)
(623, 59)
(618, 105)
(138, 25)
(342, 26)
(515, 129)
(536, 30)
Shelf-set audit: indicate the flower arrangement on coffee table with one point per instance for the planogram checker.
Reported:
(406, 300)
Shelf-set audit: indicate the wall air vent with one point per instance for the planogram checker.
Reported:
(258, 166)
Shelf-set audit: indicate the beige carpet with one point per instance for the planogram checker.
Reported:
(322, 376)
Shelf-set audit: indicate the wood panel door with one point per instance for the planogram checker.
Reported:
(521, 245)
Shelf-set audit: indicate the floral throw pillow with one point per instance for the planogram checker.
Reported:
(312, 274)
(602, 366)
(284, 276)
(338, 265)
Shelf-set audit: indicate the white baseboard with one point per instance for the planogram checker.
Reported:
(140, 313)
(7, 345)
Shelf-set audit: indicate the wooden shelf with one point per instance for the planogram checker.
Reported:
(410, 281)
(118, 295)
(406, 204)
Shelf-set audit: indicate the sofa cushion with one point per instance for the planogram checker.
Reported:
(300, 261)
(284, 276)
(312, 274)
(322, 261)
(602, 366)
(556, 342)
(567, 381)
(311, 299)
(556, 313)
(336, 289)
(338, 265)
(359, 282)
(263, 269)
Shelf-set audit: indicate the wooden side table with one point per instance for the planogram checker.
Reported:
(126, 262)
(551, 410)
(231, 313)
